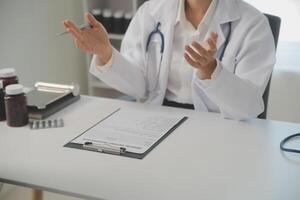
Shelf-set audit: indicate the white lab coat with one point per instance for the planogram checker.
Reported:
(245, 70)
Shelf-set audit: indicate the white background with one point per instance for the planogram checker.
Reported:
(288, 55)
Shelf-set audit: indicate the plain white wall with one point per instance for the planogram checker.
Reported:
(28, 41)
(285, 95)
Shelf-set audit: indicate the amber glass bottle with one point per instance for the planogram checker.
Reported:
(8, 76)
(2, 107)
(16, 106)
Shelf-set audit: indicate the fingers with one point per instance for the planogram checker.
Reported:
(212, 42)
(191, 61)
(79, 44)
(194, 55)
(214, 37)
(65, 24)
(75, 34)
(200, 49)
(72, 28)
(91, 19)
(198, 56)
(212, 45)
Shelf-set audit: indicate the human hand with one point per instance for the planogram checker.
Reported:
(201, 56)
(91, 40)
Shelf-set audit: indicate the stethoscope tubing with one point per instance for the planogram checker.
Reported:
(157, 31)
(283, 142)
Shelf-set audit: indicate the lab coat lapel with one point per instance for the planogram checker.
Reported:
(227, 11)
(216, 27)
(166, 14)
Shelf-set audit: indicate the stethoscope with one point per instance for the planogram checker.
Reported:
(161, 35)
(158, 32)
(286, 140)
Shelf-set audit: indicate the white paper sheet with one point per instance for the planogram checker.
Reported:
(135, 130)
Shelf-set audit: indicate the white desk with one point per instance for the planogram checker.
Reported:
(207, 158)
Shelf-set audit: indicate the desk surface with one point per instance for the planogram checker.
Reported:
(206, 158)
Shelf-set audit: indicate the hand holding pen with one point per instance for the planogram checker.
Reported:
(91, 38)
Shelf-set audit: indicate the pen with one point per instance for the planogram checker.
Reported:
(104, 149)
(83, 26)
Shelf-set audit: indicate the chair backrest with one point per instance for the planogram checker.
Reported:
(275, 23)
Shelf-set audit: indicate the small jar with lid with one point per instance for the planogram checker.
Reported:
(16, 106)
(107, 20)
(97, 13)
(118, 22)
(2, 105)
(8, 76)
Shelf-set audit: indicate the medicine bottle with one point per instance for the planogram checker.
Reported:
(97, 14)
(118, 22)
(8, 76)
(16, 106)
(107, 20)
(2, 106)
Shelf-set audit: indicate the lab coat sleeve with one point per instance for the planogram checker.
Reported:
(239, 95)
(126, 72)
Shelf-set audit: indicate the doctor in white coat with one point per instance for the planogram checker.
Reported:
(210, 55)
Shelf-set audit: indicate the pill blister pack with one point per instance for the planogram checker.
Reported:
(46, 124)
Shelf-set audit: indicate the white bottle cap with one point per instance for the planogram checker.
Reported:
(128, 15)
(119, 14)
(107, 13)
(97, 11)
(14, 89)
(1, 84)
(7, 72)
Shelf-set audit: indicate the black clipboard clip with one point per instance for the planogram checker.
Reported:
(104, 148)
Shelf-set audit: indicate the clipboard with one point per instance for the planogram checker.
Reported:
(128, 154)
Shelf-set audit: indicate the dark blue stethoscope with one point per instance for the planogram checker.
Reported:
(286, 140)
(151, 35)
(157, 31)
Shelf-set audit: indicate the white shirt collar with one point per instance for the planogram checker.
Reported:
(181, 17)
